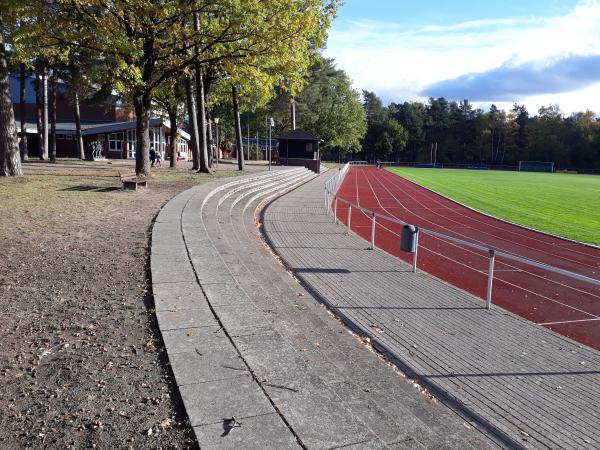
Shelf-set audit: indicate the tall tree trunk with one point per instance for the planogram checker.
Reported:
(201, 121)
(10, 159)
(206, 82)
(80, 147)
(22, 113)
(293, 113)
(238, 128)
(211, 144)
(53, 83)
(38, 111)
(44, 99)
(141, 105)
(191, 104)
(173, 109)
(172, 112)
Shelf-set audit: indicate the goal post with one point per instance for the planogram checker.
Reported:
(536, 166)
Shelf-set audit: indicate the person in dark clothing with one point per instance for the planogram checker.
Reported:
(152, 156)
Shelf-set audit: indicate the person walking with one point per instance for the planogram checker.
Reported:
(158, 159)
(152, 156)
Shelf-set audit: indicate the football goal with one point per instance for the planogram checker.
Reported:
(536, 166)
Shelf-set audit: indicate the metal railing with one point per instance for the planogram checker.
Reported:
(332, 200)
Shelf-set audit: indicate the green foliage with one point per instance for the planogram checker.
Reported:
(563, 204)
(328, 107)
(386, 138)
(471, 136)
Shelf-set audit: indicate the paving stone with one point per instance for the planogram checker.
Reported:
(224, 294)
(267, 431)
(246, 316)
(202, 339)
(215, 401)
(375, 444)
(316, 413)
(177, 296)
(202, 366)
(168, 275)
(191, 318)
(207, 275)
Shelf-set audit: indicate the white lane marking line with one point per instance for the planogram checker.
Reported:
(570, 321)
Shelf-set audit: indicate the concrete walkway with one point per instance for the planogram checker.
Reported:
(520, 383)
(259, 362)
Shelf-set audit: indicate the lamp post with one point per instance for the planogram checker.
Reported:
(271, 125)
(216, 119)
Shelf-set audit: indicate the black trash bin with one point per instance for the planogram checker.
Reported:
(408, 238)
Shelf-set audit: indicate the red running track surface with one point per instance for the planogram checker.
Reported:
(563, 304)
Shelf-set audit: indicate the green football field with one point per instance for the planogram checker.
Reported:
(564, 204)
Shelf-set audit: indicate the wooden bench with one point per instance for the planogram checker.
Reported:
(131, 181)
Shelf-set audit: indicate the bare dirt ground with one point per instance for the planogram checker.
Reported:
(82, 363)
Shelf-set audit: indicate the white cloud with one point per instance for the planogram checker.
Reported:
(399, 62)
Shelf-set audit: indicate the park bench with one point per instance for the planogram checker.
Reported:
(131, 180)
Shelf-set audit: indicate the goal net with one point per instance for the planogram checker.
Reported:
(536, 166)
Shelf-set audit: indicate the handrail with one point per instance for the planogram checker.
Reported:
(332, 197)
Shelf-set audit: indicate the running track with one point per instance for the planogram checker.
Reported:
(565, 305)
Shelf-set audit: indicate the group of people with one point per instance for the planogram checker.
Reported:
(155, 158)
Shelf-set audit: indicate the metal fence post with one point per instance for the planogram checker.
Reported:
(349, 217)
(492, 254)
(373, 217)
(335, 210)
(416, 250)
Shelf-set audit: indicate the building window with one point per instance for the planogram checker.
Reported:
(131, 138)
(115, 141)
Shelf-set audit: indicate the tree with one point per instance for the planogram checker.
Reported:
(10, 158)
(385, 136)
(411, 115)
(170, 99)
(142, 44)
(327, 107)
(22, 111)
(193, 122)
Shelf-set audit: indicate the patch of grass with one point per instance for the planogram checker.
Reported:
(64, 192)
(564, 204)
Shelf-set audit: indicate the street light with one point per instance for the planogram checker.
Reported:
(271, 125)
(216, 119)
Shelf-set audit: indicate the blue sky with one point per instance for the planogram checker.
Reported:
(532, 52)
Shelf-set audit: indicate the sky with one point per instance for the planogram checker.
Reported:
(531, 52)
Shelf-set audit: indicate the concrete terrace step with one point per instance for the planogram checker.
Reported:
(246, 340)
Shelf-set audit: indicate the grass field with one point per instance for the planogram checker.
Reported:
(564, 204)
